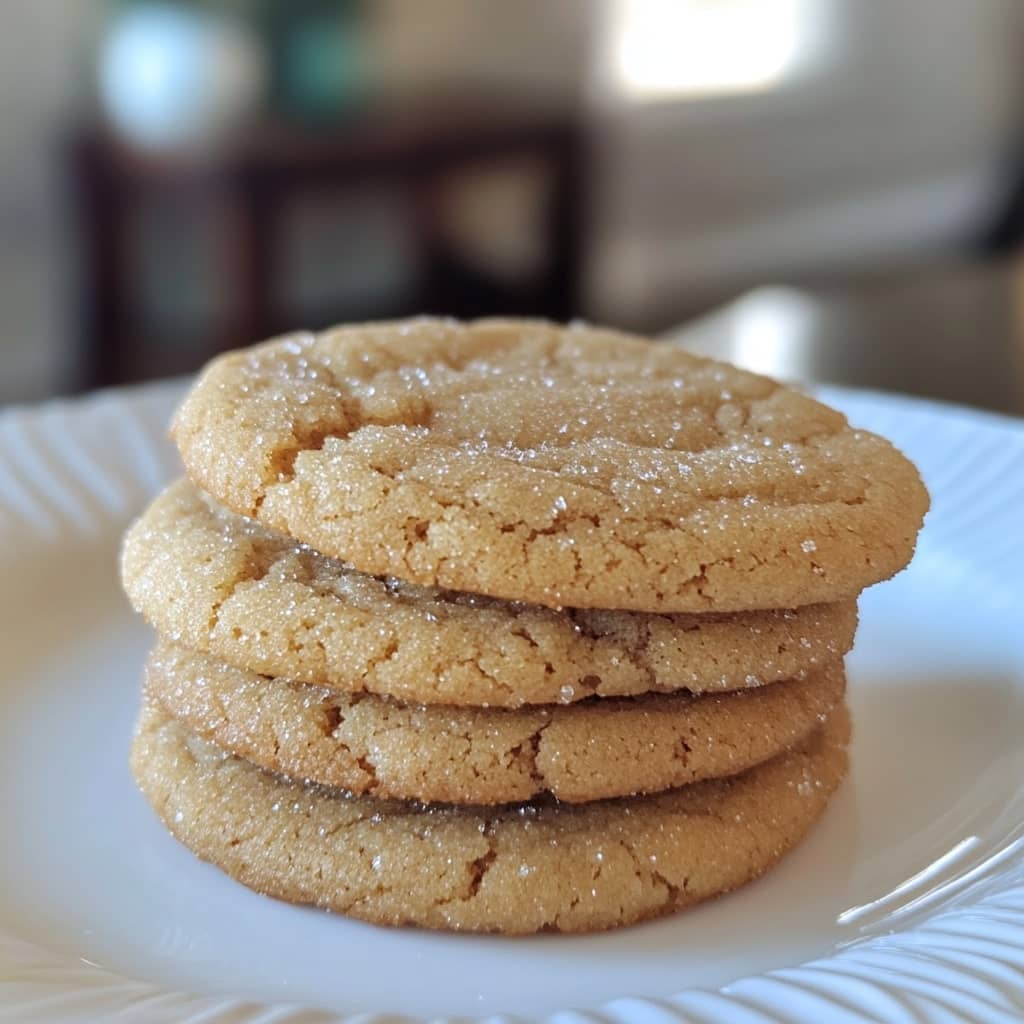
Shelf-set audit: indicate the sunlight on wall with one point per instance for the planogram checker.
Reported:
(684, 48)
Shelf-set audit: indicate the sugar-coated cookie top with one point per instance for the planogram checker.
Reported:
(560, 465)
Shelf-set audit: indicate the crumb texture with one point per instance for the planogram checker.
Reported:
(517, 869)
(217, 582)
(566, 466)
(580, 752)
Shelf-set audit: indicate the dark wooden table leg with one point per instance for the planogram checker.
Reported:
(99, 208)
(566, 225)
(251, 217)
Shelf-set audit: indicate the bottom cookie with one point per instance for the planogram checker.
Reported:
(516, 869)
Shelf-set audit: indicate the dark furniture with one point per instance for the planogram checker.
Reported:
(247, 185)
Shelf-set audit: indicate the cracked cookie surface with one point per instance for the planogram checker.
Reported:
(432, 753)
(516, 870)
(566, 466)
(223, 584)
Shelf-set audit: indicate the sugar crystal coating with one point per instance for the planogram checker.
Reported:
(218, 582)
(585, 751)
(463, 867)
(560, 465)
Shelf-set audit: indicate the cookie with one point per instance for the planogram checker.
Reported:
(589, 751)
(565, 466)
(517, 869)
(223, 584)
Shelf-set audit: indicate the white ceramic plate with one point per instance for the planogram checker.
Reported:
(906, 903)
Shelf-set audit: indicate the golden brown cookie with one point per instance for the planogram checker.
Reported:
(559, 465)
(220, 583)
(517, 869)
(589, 751)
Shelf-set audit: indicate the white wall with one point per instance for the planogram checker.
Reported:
(886, 148)
(43, 47)
(535, 46)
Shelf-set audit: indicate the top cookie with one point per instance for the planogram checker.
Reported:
(558, 465)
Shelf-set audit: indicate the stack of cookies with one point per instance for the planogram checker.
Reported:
(503, 626)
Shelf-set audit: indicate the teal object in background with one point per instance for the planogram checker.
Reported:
(173, 71)
(318, 58)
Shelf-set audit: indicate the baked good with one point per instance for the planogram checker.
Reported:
(519, 869)
(433, 753)
(566, 466)
(217, 582)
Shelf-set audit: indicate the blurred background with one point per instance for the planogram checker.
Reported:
(825, 189)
